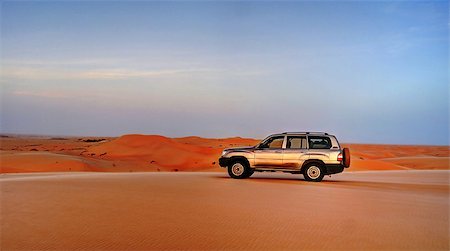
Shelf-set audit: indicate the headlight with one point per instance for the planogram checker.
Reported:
(224, 152)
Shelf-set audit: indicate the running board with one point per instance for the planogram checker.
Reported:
(277, 170)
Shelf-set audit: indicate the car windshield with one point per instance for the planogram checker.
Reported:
(273, 142)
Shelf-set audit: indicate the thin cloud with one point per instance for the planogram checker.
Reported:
(63, 94)
(88, 62)
(45, 94)
(30, 73)
(117, 74)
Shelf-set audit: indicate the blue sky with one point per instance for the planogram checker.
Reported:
(372, 72)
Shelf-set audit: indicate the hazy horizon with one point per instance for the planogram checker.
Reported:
(367, 72)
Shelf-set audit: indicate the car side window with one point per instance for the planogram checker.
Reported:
(273, 143)
(319, 142)
(296, 142)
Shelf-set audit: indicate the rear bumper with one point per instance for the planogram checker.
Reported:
(334, 168)
(223, 161)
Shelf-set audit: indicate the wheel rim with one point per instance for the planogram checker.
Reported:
(237, 169)
(313, 172)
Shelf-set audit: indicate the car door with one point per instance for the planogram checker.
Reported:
(269, 152)
(295, 153)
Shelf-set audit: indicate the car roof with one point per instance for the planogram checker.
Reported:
(312, 133)
(300, 133)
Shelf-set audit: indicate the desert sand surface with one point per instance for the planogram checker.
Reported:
(375, 210)
(153, 153)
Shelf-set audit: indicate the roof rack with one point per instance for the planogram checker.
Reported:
(305, 133)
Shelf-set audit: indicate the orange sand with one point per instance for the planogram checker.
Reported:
(384, 210)
(132, 153)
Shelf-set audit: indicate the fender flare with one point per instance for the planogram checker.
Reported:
(241, 158)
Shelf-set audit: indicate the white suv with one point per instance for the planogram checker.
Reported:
(313, 154)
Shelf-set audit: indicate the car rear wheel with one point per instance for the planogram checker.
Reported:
(314, 172)
(239, 170)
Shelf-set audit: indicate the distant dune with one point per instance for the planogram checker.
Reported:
(131, 153)
(157, 152)
(398, 157)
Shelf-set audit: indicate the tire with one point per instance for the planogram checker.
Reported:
(346, 157)
(239, 169)
(250, 172)
(314, 172)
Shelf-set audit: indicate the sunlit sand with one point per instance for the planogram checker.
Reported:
(208, 210)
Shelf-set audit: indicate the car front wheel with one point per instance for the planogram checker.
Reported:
(239, 170)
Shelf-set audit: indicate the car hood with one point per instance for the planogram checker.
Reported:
(239, 149)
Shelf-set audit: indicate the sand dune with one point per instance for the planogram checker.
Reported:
(127, 153)
(421, 162)
(390, 210)
(380, 151)
(158, 152)
(374, 164)
(141, 153)
(398, 157)
(217, 143)
(41, 162)
(24, 162)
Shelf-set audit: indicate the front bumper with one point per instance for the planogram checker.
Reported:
(224, 161)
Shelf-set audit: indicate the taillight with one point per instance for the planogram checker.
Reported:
(339, 158)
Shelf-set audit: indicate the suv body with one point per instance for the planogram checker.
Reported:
(313, 154)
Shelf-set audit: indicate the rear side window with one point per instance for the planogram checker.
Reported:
(319, 142)
(295, 142)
